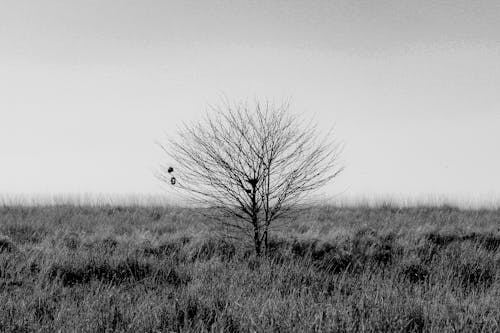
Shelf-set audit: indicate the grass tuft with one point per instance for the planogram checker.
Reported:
(213, 247)
(22, 234)
(117, 272)
(415, 273)
(6, 245)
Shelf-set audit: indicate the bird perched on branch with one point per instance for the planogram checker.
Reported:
(172, 179)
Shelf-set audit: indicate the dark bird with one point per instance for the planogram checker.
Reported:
(170, 169)
(253, 181)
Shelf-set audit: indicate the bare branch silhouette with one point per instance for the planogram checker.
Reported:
(251, 167)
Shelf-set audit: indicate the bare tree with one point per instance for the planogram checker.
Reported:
(251, 167)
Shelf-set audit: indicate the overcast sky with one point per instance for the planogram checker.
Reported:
(412, 87)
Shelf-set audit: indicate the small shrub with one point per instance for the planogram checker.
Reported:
(442, 240)
(71, 241)
(130, 269)
(363, 240)
(332, 259)
(67, 274)
(368, 246)
(476, 276)
(490, 242)
(415, 273)
(114, 272)
(302, 248)
(320, 250)
(383, 253)
(276, 245)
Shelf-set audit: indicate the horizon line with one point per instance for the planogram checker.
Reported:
(469, 201)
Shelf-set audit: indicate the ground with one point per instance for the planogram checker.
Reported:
(77, 268)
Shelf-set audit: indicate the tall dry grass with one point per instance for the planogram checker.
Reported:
(77, 268)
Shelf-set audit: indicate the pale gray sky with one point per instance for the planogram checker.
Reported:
(412, 87)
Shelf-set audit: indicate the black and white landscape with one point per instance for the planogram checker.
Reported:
(249, 166)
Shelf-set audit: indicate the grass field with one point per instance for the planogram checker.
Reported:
(74, 268)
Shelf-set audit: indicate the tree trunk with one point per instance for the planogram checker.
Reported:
(265, 240)
(257, 242)
(255, 221)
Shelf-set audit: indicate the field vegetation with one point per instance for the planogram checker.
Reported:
(77, 268)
